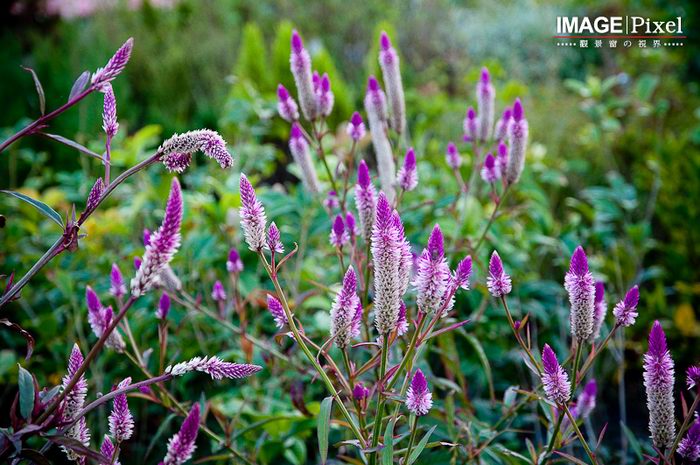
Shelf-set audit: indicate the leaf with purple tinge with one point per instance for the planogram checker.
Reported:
(39, 90)
(79, 85)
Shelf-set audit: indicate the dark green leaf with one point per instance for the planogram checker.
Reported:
(421, 445)
(324, 426)
(26, 393)
(41, 206)
(388, 451)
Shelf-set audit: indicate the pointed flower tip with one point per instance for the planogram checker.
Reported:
(549, 359)
(632, 297)
(338, 225)
(495, 264)
(489, 161)
(325, 83)
(297, 44)
(350, 280)
(356, 119)
(363, 178)
(296, 131)
(471, 113)
(502, 149)
(485, 77)
(384, 41)
(579, 262)
(419, 382)
(591, 388)
(657, 340)
(518, 112)
(372, 84)
(599, 291)
(282, 92)
(410, 160)
(451, 148)
(436, 242)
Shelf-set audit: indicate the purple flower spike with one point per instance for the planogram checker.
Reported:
(626, 310)
(365, 200)
(300, 63)
(277, 312)
(490, 172)
(339, 236)
(73, 403)
(386, 257)
(356, 324)
(518, 112)
(599, 311)
(419, 399)
(286, 106)
(658, 381)
(253, 217)
(581, 288)
(463, 273)
(163, 245)
(344, 310)
(234, 263)
(689, 447)
(402, 323)
(214, 367)
(555, 380)
(351, 225)
(100, 318)
(432, 274)
(375, 106)
(436, 243)
(585, 403)
(176, 152)
(360, 392)
(109, 112)
(324, 96)
(486, 97)
(454, 160)
(118, 287)
(331, 202)
(502, 157)
(693, 376)
(389, 62)
(407, 177)
(502, 125)
(356, 127)
(107, 449)
(218, 294)
(181, 446)
(114, 66)
(299, 148)
(384, 41)
(471, 125)
(94, 196)
(121, 421)
(163, 306)
(406, 261)
(518, 131)
(274, 241)
(498, 282)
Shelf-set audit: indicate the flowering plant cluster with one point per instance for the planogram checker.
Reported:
(396, 294)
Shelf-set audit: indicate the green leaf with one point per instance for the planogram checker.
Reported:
(26, 393)
(421, 445)
(388, 451)
(324, 426)
(41, 206)
(634, 443)
(39, 90)
(483, 359)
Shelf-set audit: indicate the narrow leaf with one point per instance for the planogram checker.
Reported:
(388, 451)
(324, 426)
(39, 90)
(26, 393)
(421, 445)
(571, 458)
(483, 359)
(73, 144)
(41, 206)
(634, 443)
(79, 84)
(27, 337)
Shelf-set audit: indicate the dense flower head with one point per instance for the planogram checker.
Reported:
(234, 263)
(658, 381)
(286, 106)
(103, 76)
(501, 130)
(389, 62)
(502, 159)
(585, 403)
(299, 148)
(356, 128)
(490, 172)
(375, 106)
(331, 201)
(518, 131)
(253, 219)
(454, 160)
(344, 309)
(471, 125)
(463, 272)
(555, 380)
(95, 195)
(324, 96)
(176, 152)
(121, 421)
(498, 282)
(214, 367)
(407, 177)
(338, 236)
(485, 96)
(375, 99)
(277, 312)
(580, 285)
(432, 274)
(163, 306)
(300, 63)
(365, 200)
(360, 392)
(182, 445)
(689, 447)
(73, 402)
(274, 239)
(600, 309)
(218, 294)
(118, 287)
(402, 323)
(386, 256)
(163, 244)
(406, 260)
(100, 317)
(626, 310)
(356, 323)
(693, 376)
(107, 449)
(351, 225)
(419, 399)
(109, 112)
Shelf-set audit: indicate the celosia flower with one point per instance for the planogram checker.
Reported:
(181, 446)
(324, 96)
(555, 380)
(356, 128)
(73, 403)
(502, 158)
(471, 125)
(274, 241)
(253, 217)
(137, 263)
(109, 112)
(94, 195)
(360, 392)
(502, 125)
(338, 236)
(344, 309)
(389, 62)
(689, 447)
(693, 376)
(163, 244)
(454, 160)
(658, 381)
(299, 148)
(432, 274)
(581, 288)
(277, 312)
(485, 96)
(107, 449)
(100, 318)
(407, 177)
(351, 225)
(286, 106)
(375, 106)
(365, 199)
(214, 367)
(517, 139)
(419, 399)
(356, 323)
(121, 421)
(600, 309)
(490, 172)
(331, 202)
(300, 62)
(463, 272)
(118, 287)
(175, 153)
(218, 294)
(114, 66)
(626, 310)
(234, 263)
(163, 306)
(585, 403)
(402, 323)
(498, 282)
(386, 257)
(406, 261)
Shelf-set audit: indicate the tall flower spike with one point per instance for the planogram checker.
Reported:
(689, 447)
(432, 274)
(490, 172)
(114, 66)
(234, 263)
(121, 421)
(463, 273)
(581, 288)
(585, 403)
(498, 282)
(344, 309)
(176, 152)
(365, 200)
(356, 127)
(402, 323)
(375, 106)
(501, 130)
(324, 96)
(389, 62)
(502, 158)
(163, 245)
(73, 402)
(118, 287)
(338, 236)
(600, 309)
(274, 241)
(693, 376)
(94, 196)
(286, 106)
(407, 177)
(277, 312)
(100, 318)
(485, 97)
(300, 63)
(253, 217)
(454, 160)
(419, 399)
(107, 449)
(181, 446)
(351, 225)
(517, 139)
(386, 257)
(471, 125)
(109, 112)
(299, 148)
(406, 261)
(214, 367)
(356, 324)
(218, 294)
(658, 381)
(555, 380)
(626, 310)
(163, 306)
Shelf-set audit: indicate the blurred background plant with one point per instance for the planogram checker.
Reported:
(614, 164)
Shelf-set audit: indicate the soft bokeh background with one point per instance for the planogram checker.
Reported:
(614, 164)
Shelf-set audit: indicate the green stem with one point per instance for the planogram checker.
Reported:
(409, 353)
(376, 430)
(491, 220)
(411, 439)
(590, 453)
(555, 433)
(527, 350)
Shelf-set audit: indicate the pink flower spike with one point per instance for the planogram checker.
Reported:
(402, 323)
(693, 376)
(344, 310)
(626, 310)
(432, 274)
(163, 306)
(253, 217)
(555, 380)
(463, 273)
(218, 294)
(498, 282)
(234, 263)
(658, 381)
(356, 128)
(580, 285)
(277, 312)
(214, 367)
(338, 236)
(114, 66)
(600, 310)
(109, 112)
(118, 287)
(419, 399)
(286, 106)
(689, 447)
(490, 172)
(121, 421)
(407, 177)
(182, 445)
(274, 241)
(454, 160)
